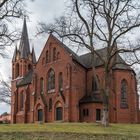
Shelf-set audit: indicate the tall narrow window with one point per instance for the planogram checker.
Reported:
(123, 93)
(94, 84)
(58, 55)
(47, 57)
(85, 112)
(17, 70)
(51, 79)
(13, 73)
(60, 81)
(21, 101)
(43, 60)
(50, 104)
(41, 86)
(98, 114)
(28, 102)
(54, 54)
(29, 67)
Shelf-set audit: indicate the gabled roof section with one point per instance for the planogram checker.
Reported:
(26, 80)
(73, 54)
(24, 47)
(90, 99)
(120, 63)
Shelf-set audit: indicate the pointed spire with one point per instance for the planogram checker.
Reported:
(33, 56)
(15, 54)
(24, 47)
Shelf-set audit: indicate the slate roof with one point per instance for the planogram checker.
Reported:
(90, 99)
(120, 63)
(4, 114)
(85, 60)
(26, 80)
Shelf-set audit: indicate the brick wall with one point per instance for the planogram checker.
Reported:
(77, 82)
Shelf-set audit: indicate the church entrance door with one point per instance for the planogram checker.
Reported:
(40, 115)
(59, 113)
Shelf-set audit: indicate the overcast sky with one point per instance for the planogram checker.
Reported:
(40, 10)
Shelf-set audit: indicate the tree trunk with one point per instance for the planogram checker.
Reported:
(104, 91)
(105, 115)
(105, 112)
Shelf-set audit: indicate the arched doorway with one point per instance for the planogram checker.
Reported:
(58, 111)
(40, 115)
(59, 114)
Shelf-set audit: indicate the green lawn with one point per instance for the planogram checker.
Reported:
(69, 131)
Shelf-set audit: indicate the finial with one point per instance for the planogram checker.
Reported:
(33, 55)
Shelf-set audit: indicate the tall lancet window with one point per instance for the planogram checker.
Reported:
(50, 104)
(41, 86)
(17, 70)
(21, 101)
(54, 54)
(51, 79)
(95, 84)
(29, 67)
(47, 57)
(60, 81)
(124, 93)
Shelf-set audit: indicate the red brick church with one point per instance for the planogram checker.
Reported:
(60, 86)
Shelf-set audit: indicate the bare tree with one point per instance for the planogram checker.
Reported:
(5, 92)
(9, 11)
(94, 23)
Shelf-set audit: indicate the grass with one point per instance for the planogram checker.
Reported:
(69, 131)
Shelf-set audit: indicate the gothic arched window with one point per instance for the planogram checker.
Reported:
(123, 91)
(95, 84)
(51, 79)
(29, 67)
(60, 81)
(54, 54)
(58, 55)
(50, 104)
(41, 86)
(21, 101)
(47, 57)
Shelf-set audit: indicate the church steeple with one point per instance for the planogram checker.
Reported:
(24, 47)
(23, 60)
